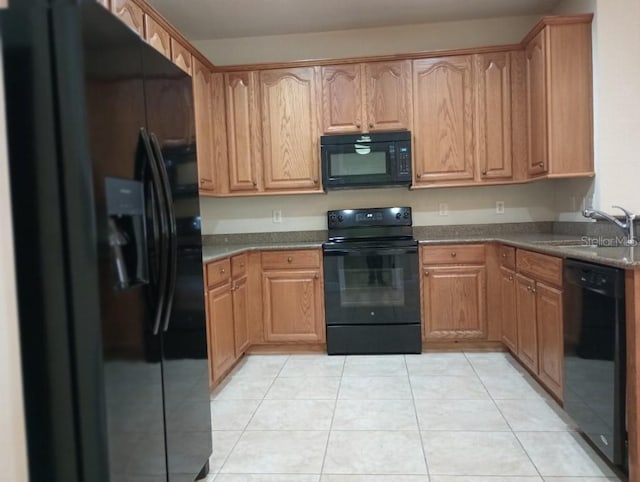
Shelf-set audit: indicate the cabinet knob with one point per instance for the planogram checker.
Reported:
(510, 278)
(419, 176)
(541, 164)
(242, 265)
(201, 181)
(484, 173)
(254, 183)
(289, 259)
(371, 124)
(358, 125)
(426, 273)
(453, 254)
(222, 270)
(316, 276)
(504, 255)
(315, 180)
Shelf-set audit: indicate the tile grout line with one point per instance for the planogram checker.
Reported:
(242, 432)
(505, 419)
(333, 416)
(415, 410)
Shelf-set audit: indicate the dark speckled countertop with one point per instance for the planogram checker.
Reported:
(561, 245)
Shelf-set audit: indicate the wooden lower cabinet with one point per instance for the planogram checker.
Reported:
(240, 315)
(527, 321)
(221, 331)
(454, 302)
(508, 314)
(293, 306)
(550, 337)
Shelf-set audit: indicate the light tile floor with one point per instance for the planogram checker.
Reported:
(438, 417)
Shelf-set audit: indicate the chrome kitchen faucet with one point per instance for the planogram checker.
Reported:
(627, 226)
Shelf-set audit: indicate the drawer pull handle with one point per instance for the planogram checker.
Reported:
(453, 254)
(289, 259)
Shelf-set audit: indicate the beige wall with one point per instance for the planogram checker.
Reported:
(363, 42)
(526, 202)
(13, 467)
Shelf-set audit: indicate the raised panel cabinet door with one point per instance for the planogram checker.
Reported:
(130, 14)
(454, 302)
(493, 116)
(508, 315)
(290, 134)
(240, 319)
(388, 95)
(342, 98)
(181, 56)
(526, 316)
(443, 94)
(536, 91)
(218, 144)
(221, 340)
(157, 36)
(242, 128)
(550, 337)
(293, 306)
(204, 124)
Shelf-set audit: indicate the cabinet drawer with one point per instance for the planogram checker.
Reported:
(453, 254)
(508, 256)
(304, 258)
(218, 272)
(239, 266)
(540, 266)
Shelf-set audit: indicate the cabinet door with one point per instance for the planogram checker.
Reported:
(130, 14)
(508, 316)
(454, 302)
(222, 341)
(536, 87)
(242, 130)
(290, 134)
(550, 337)
(181, 56)
(443, 147)
(493, 115)
(240, 320)
(388, 95)
(293, 306)
(342, 98)
(157, 36)
(526, 315)
(202, 96)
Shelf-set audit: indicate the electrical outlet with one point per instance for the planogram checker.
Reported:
(277, 216)
(499, 207)
(444, 209)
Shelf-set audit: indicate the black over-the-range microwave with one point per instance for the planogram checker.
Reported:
(366, 160)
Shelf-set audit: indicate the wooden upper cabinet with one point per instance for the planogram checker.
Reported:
(342, 98)
(157, 36)
(104, 3)
(130, 14)
(218, 146)
(387, 91)
(290, 129)
(374, 96)
(243, 124)
(443, 93)
(493, 115)
(550, 337)
(454, 302)
(181, 56)
(204, 122)
(536, 92)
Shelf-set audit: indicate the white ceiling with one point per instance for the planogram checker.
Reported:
(209, 19)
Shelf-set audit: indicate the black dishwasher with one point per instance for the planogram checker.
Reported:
(594, 355)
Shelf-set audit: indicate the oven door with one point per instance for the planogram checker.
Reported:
(360, 165)
(371, 284)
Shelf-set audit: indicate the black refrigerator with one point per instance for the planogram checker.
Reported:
(102, 153)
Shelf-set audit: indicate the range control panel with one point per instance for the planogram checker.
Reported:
(352, 218)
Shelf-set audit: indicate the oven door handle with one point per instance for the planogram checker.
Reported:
(375, 251)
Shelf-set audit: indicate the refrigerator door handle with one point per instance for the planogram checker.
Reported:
(157, 192)
(173, 234)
